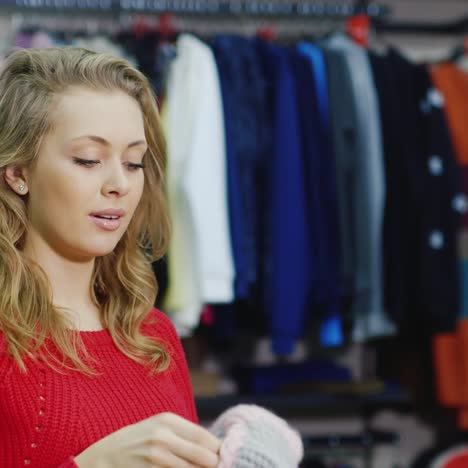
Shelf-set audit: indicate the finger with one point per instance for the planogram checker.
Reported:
(190, 451)
(192, 432)
(162, 458)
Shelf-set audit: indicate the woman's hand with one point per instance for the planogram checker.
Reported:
(161, 441)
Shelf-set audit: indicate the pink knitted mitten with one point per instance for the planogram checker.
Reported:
(256, 438)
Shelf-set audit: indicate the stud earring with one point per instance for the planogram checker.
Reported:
(21, 187)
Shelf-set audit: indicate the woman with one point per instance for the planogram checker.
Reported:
(90, 374)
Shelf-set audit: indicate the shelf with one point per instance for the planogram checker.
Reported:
(305, 405)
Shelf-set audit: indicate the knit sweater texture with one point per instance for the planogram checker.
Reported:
(47, 418)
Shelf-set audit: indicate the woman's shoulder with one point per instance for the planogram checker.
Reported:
(158, 325)
(158, 321)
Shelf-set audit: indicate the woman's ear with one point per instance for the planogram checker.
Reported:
(15, 177)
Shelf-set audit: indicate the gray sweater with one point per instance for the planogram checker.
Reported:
(361, 182)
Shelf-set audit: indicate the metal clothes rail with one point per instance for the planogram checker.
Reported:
(263, 8)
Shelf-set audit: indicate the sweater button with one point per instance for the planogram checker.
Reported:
(436, 239)
(38, 428)
(41, 413)
(33, 445)
(435, 165)
(41, 398)
(27, 461)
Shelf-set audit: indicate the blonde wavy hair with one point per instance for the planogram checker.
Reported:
(123, 284)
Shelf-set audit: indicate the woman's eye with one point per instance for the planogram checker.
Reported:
(135, 167)
(85, 162)
(92, 162)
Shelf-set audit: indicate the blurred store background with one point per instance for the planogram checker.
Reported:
(317, 178)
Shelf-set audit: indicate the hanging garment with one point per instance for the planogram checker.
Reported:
(423, 180)
(247, 144)
(452, 82)
(287, 277)
(361, 182)
(201, 267)
(102, 45)
(321, 196)
(451, 358)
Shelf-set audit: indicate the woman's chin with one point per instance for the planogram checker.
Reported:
(93, 251)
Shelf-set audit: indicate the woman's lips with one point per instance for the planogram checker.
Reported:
(106, 224)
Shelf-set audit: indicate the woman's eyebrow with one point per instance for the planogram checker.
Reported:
(104, 142)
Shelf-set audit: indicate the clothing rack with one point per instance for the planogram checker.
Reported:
(459, 26)
(272, 9)
(263, 8)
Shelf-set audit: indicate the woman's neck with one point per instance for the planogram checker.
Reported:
(70, 281)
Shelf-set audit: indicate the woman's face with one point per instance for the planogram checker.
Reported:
(88, 165)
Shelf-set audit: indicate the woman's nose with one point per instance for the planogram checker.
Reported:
(117, 181)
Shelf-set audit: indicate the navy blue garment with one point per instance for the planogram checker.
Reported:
(288, 279)
(327, 290)
(439, 285)
(144, 47)
(160, 270)
(421, 286)
(272, 378)
(310, 154)
(320, 301)
(391, 77)
(243, 92)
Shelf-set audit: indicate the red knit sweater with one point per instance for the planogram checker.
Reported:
(47, 418)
